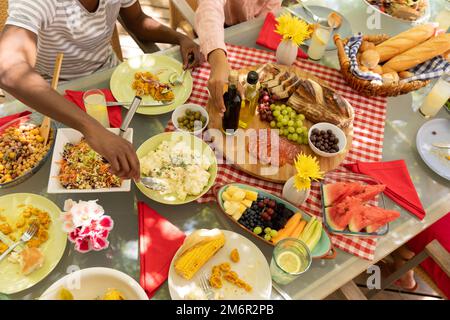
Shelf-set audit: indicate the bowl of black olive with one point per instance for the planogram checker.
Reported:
(192, 118)
(326, 139)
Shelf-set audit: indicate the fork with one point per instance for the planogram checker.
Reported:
(26, 236)
(204, 284)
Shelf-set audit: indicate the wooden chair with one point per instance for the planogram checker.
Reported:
(182, 15)
(433, 250)
(115, 41)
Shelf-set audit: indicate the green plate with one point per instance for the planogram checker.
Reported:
(123, 77)
(323, 249)
(196, 144)
(11, 280)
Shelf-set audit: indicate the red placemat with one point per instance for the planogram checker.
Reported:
(367, 145)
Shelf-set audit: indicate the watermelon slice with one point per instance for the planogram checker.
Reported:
(335, 192)
(338, 216)
(370, 192)
(370, 217)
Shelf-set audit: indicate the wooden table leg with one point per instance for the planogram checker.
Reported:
(351, 291)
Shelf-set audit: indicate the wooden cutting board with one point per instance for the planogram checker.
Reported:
(235, 148)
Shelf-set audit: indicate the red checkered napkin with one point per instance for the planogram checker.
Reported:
(367, 145)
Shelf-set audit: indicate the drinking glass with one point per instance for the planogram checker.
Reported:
(319, 41)
(436, 98)
(291, 257)
(95, 104)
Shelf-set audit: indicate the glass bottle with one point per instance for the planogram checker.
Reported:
(250, 99)
(232, 101)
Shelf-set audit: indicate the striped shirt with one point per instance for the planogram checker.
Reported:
(67, 26)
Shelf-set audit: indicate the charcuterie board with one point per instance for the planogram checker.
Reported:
(236, 148)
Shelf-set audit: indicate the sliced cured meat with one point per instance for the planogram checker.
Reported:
(267, 142)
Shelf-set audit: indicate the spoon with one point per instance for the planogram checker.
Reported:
(153, 183)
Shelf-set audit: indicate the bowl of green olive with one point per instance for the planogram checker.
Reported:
(191, 118)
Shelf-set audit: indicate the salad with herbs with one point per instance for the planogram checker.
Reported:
(83, 168)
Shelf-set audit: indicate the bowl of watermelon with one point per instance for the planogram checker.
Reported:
(353, 204)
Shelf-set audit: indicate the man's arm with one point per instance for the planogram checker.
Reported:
(17, 76)
(147, 29)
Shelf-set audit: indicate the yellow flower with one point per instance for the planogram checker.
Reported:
(292, 28)
(308, 169)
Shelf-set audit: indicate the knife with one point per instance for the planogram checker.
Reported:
(6, 240)
(131, 111)
(119, 103)
(441, 145)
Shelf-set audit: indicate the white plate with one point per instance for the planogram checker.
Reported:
(91, 283)
(432, 156)
(252, 268)
(68, 135)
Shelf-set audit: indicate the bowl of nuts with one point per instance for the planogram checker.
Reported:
(22, 149)
(326, 139)
(191, 118)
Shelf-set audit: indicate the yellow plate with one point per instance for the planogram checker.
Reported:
(123, 77)
(195, 144)
(11, 280)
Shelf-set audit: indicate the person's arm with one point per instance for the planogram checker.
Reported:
(209, 22)
(18, 48)
(147, 29)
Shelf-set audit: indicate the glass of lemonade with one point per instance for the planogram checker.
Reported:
(437, 97)
(319, 41)
(291, 257)
(95, 104)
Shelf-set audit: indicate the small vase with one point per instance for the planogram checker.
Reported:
(294, 196)
(286, 52)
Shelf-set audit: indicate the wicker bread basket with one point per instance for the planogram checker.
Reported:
(364, 86)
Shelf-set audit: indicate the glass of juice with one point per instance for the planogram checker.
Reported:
(95, 104)
(319, 41)
(436, 98)
(291, 258)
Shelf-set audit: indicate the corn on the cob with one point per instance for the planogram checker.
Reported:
(190, 261)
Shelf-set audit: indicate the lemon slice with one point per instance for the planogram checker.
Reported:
(322, 36)
(289, 262)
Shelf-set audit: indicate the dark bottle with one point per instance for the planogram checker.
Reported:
(232, 101)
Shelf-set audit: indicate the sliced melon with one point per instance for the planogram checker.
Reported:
(370, 192)
(338, 216)
(336, 192)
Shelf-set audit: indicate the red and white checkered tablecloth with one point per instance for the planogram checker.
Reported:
(367, 143)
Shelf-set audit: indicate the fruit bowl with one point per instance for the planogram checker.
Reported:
(324, 248)
(379, 201)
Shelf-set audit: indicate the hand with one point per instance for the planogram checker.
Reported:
(117, 151)
(217, 79)
(190, 52)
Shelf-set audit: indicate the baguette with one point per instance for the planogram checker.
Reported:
(404, 41)
(423, 52)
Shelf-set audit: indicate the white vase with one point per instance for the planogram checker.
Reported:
(286, 52)
(294, 196)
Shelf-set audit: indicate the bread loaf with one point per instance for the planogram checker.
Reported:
(423, 52)
(404, 41)
(370, 58)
